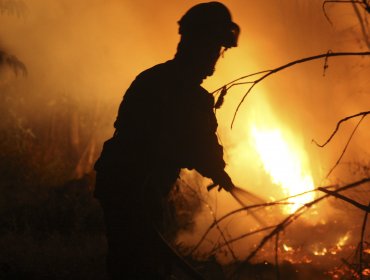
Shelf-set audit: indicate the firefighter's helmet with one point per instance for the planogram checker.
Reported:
(210, 20)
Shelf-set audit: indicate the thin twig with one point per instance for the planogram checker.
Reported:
(224, 238)
(337, 127)
(306, 192)
(362, 243)
(215, 249)
(345, 147)
(230, 84)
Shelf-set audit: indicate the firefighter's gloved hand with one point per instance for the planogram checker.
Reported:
(223, 182)
(226, 183)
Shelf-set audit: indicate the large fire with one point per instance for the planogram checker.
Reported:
(286, 163)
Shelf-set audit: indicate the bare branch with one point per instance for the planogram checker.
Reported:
(267, 73)
(347, 199)
(306, 192)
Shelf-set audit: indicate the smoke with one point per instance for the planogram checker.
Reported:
(90, 51)
(94, 49)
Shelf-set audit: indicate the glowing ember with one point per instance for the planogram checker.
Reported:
(343, 240)
(284, 162)
(367, 251)
(287, 248)
(321, 252)
(366, 272)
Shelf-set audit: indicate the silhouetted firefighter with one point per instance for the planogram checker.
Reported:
(165, 123)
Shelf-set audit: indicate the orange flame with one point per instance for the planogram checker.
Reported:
(283, 160)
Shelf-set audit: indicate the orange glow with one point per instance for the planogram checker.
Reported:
(366, 272)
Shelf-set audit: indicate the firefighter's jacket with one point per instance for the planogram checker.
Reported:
(165, 122)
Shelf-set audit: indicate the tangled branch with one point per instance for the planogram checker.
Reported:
(276, 229)
(299, 212)
(280, 202)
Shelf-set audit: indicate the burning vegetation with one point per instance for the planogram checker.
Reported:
(301, 211)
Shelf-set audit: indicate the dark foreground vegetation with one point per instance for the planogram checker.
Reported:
(53, 232)
(50, 225)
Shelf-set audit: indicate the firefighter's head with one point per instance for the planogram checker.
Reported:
(206, 30)
(209, 21)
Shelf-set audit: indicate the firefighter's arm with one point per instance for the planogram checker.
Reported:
(210, 164)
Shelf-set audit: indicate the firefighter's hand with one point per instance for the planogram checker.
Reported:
(223, 182)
